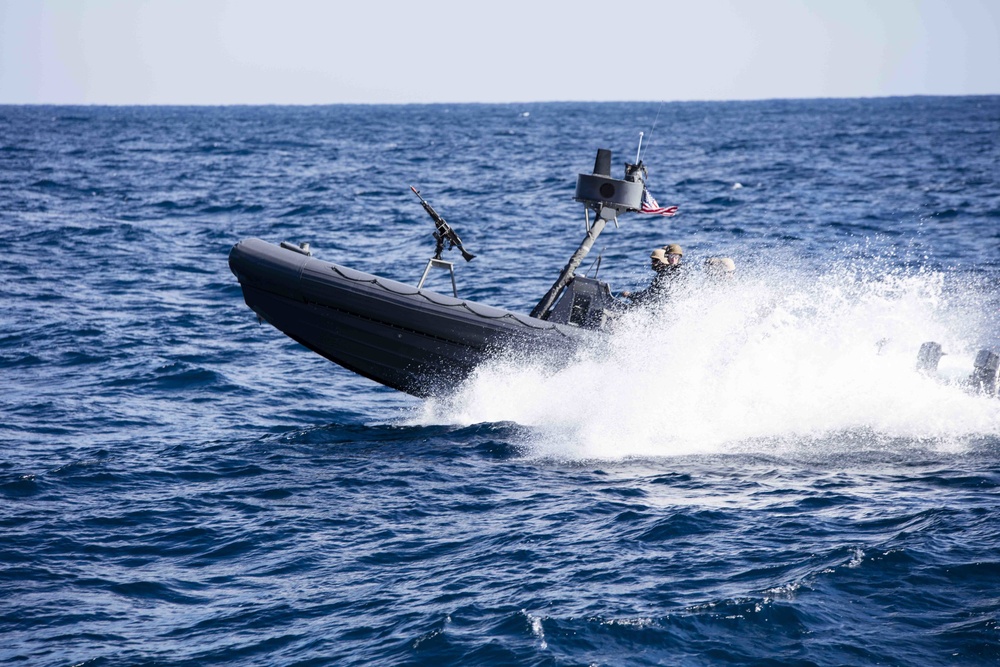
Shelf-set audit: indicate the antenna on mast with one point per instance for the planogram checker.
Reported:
(638, 151)
(653, 128)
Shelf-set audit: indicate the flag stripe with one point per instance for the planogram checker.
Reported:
(649, 205)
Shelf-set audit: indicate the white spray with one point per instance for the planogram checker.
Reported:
(781, 356)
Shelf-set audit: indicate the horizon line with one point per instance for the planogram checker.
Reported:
(471, 103)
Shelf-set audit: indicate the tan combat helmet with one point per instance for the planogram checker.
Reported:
(673, 249)
(720, 266)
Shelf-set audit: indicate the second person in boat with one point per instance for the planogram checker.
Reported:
(668, 271)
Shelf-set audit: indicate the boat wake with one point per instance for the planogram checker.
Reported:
(775, 359)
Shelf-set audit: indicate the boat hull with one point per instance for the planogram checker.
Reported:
(413, 340)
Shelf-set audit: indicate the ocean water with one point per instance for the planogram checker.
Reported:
(749, 475)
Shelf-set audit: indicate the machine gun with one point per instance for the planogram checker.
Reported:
(443, 231)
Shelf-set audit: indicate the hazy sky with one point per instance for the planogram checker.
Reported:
(318, 52)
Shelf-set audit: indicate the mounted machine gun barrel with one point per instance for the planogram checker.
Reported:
(443, 231)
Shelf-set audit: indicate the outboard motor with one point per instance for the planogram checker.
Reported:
(928, 357)
(984, 373)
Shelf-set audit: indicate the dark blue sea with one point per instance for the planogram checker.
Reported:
(752, 475)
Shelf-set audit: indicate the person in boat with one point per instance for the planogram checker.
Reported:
(719, 269)
(668, 272)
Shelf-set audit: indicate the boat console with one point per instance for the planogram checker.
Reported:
(586, 302)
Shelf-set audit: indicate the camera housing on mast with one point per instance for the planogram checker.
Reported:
(607, 196)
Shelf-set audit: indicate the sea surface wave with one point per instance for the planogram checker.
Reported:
(753, 475)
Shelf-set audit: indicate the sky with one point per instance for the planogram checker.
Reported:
(418, 51)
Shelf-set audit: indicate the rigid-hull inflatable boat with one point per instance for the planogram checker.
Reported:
(419, 341)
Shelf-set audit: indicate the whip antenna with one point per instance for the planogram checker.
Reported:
(652, 129)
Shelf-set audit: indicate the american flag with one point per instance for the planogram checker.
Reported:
(649, 205)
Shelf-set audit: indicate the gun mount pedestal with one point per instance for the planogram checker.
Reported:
(439, 264)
